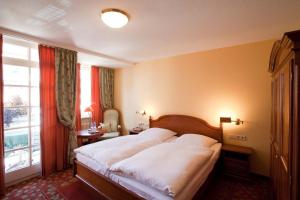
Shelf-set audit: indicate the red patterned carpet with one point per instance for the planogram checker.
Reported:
(228, 188)
(63, 186)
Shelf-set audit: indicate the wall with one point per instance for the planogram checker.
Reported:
(230, 81)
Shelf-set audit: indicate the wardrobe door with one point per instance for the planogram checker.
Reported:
(285, 87)
(275, 176)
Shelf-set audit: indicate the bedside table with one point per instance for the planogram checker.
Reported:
(235, 161)
(133, 132)
(88, 136)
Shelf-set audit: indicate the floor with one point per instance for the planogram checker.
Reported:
(63, 186)
(228, 188)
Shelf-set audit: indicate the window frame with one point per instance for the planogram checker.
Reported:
(86, 67)
(29, 64)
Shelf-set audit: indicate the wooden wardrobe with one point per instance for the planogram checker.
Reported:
(285, 117)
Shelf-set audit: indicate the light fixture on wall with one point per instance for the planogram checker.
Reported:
(114, 18)
(229, 120)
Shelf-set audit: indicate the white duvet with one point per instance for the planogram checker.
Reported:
(108, 152)
(166, 167)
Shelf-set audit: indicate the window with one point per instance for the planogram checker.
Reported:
(85, 87)
(21, 104)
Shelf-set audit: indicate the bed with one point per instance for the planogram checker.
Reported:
(114, 186)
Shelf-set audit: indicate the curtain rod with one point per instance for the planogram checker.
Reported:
(20, 35)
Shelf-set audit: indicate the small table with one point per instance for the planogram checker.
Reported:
(236, 160)
(89, 136)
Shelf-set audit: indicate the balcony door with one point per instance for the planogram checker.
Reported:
(21, 109)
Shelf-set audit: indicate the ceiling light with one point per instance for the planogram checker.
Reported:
(114, 18)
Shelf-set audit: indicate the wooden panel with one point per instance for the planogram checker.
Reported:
(285, 140)
(277, 112)
(102, 185)
(284, 181)
(182, 124)
(295, 151)
(237, 149)
(274, 173)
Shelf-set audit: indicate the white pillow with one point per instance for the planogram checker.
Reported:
(157, 133)
(196, 139)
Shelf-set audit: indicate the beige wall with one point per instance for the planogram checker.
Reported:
(224, 82)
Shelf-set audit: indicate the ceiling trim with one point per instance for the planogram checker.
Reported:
(20, 35)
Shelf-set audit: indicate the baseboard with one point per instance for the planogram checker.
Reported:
(22, 179)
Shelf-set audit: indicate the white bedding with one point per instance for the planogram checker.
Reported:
(188, 191)
(93, 164)
(107, 152)
(166, 167)
(148, 192)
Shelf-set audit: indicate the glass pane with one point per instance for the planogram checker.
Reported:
(35, 96)
(16, 138)
(35, 116)
(35, 76)
(16, 117)
(15, 75)
(16, 160)
(36, 155)
(35, 135)
(15, 51)
(85, 85)
(34, 55)
(15, 96)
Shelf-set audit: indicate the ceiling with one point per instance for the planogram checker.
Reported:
(157, 28)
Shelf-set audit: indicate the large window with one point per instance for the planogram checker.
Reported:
(21, 104)
(85, 86)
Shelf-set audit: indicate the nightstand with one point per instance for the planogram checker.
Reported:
(133, 132)
(235, 161)
(86, 137)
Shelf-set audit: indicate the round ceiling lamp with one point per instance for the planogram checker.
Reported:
(114, 18)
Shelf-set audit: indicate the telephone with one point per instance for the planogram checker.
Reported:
(137, 129)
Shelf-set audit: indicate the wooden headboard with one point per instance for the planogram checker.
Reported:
(182, 124)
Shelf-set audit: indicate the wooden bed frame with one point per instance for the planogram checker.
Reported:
(181, 124)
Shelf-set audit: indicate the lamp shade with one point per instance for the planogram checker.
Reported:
(89, 109)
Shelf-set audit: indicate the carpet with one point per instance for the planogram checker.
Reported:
(63, 186)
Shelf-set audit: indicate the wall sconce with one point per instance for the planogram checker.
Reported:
(229, 120)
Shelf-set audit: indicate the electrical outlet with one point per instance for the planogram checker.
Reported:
(238, 137)
(243, 137)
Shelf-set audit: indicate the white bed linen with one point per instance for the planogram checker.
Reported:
(188, 191)
(106, 153)
(93, 164)
(167, 167)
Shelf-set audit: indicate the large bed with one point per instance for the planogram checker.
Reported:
(115, 186)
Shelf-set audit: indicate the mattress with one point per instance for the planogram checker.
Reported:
(187, 193)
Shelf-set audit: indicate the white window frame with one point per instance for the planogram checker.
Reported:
(85, 67)
(19, 174)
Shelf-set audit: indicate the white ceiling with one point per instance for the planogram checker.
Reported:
(157, 28)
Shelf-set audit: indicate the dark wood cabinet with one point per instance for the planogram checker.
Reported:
(284, 66)
(235, 161)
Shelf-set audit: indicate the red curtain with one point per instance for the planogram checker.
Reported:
(78, 100)
(96, 95)
(54, 136)
(2, 167)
